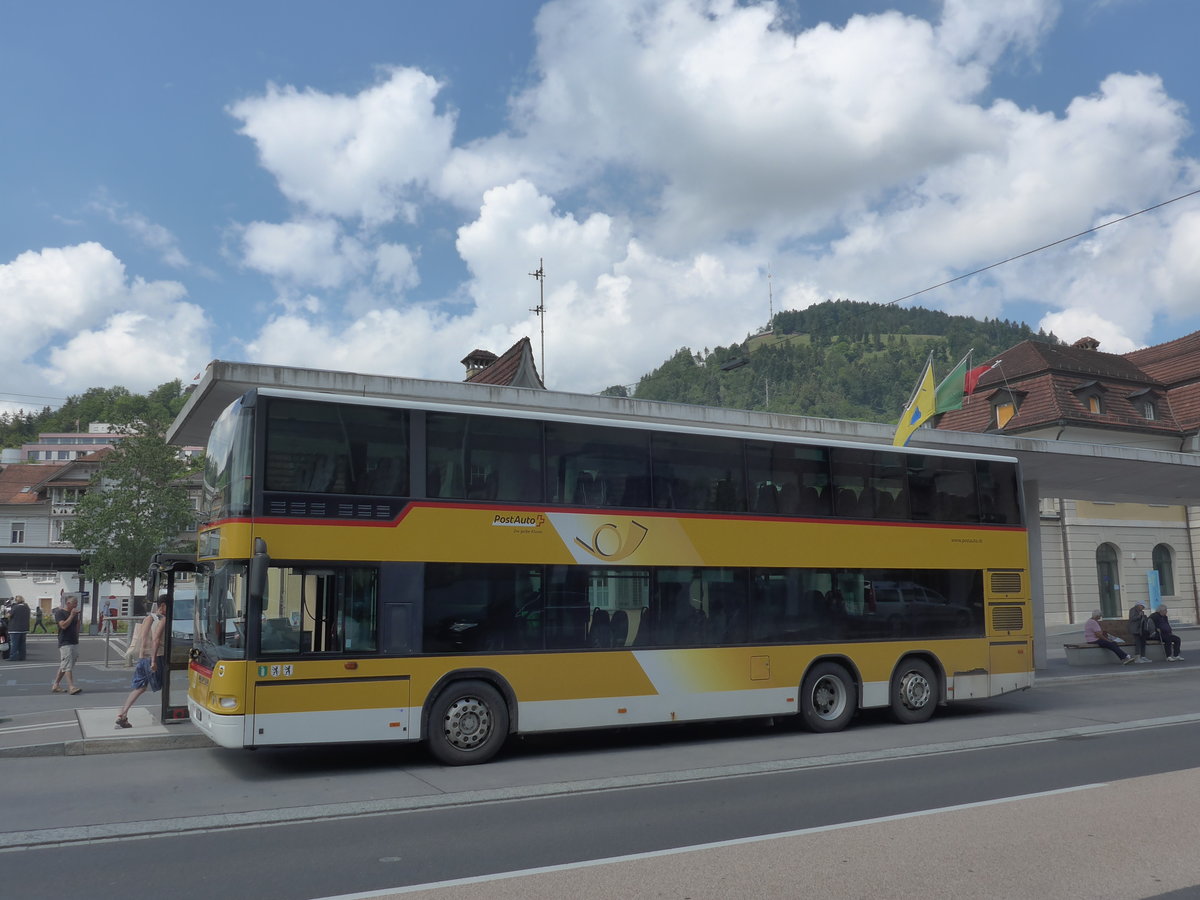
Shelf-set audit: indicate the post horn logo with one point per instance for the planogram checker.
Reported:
(610, 545)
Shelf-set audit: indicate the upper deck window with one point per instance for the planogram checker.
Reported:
(336, 448)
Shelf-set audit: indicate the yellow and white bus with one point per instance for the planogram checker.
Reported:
(390, 559)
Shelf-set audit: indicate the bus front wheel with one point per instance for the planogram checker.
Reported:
(914, 692)
(827, 698)
(468, 724)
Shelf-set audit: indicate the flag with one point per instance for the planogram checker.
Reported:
(972, 377)
(949, 394)
(920, 407)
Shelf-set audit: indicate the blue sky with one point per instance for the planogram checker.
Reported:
(365, 186)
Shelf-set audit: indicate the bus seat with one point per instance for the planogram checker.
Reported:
(789, 499)
(808, 502)
(619, 625)
(767, 499)
(600, 629)
(847, 502)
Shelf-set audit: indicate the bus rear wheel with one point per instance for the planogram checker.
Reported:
(914, 692)
(827, 698)
(468, 724)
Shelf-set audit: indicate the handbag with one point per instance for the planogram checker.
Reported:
(4, 646)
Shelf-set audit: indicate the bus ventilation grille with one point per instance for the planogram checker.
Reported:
(1007, 618)
(1006, 582)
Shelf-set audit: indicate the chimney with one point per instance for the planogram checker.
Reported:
(476, 361)
(1087, 343)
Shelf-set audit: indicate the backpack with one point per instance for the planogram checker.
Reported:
(1148, 628)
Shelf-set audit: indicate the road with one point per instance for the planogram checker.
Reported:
(305, 824)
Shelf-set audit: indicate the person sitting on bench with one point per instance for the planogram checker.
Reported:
(1094, 634)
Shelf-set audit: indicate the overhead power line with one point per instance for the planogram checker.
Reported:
(1041, 248)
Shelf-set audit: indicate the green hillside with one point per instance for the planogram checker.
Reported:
(839, 359)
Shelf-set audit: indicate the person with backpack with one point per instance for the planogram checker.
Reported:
(1140, 629)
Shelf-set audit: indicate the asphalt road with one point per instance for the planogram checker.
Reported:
(338, 821)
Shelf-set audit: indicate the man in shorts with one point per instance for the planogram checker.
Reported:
(148, 673)
(68, 645)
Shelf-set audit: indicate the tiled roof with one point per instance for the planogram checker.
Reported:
(19, 482)
(1176, 364)
(513, 367)
(1053, 384)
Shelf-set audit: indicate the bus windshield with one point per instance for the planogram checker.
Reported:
(227, 463)
(221, 606)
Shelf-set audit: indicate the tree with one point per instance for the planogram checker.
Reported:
(138, 505)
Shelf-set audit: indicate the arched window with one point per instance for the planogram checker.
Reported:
(1165, 568)
(1108, 574)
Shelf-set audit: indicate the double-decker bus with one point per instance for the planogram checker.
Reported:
(390, 559)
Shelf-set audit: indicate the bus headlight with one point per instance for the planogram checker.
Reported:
(227, 702)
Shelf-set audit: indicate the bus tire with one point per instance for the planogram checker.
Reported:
(828, 698)
(468, 723)
(914, 692)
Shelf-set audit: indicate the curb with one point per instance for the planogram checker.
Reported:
(102, 746)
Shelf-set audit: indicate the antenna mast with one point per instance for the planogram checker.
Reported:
(770, 298)
(540, 309)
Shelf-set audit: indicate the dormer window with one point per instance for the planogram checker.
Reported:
(1091, 396)
(1005, 405)
(1004, 412)
(1146, 402)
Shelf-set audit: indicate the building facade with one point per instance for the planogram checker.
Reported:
(1098, 555)
(39, 494)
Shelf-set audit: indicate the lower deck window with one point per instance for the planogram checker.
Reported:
(320, 610)
(495, 608)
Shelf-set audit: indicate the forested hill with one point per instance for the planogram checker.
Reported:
(839, 359)
(112, 406)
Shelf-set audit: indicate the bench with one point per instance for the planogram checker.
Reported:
(1083, 654)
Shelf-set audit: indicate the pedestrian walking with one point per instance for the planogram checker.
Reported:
(68, 646)
(148, 639)
(1094, 633)
(106, 626)
(18, 628)
(39, 621)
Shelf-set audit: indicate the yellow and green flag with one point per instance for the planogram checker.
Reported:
(922, 405)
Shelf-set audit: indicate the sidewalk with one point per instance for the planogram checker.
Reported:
(83, 724)
(34, 722)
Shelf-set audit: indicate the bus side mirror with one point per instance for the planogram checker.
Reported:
(259, 564)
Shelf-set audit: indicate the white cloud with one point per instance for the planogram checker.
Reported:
(396, 268)
(699, 142)
(1073, 324)
(312, 252)
(364, 156)
(75, 320)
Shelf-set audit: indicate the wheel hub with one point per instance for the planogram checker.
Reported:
(915, 690)
(828, 699)
(468, 723)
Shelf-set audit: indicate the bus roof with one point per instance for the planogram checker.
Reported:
(223, 382)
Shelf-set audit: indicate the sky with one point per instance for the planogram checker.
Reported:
(367, 186)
